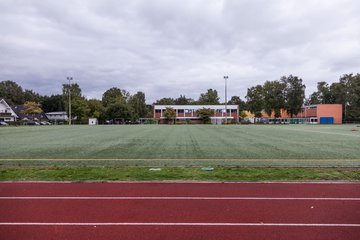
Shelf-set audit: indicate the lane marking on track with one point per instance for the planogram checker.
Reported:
(180, 198)
(175, 224)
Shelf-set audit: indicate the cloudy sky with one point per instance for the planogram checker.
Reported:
(170, 47)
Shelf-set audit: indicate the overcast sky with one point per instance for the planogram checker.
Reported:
(170, 47)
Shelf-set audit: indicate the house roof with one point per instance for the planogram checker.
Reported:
(2, 100)
(56, 113)
(19, 110)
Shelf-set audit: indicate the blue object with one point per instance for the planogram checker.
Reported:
(326, 120)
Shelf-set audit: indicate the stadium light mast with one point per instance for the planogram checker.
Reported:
(226, 78)
(70, 79)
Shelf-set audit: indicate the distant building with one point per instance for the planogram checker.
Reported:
(188, 113)
(57, 116)
(7, 114)
(312, 114)
(20, 112)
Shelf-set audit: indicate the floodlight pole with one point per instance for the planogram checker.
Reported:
(69, 78)
(226, 78)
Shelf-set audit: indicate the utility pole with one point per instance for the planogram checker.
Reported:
(70, 79)
(226, 78)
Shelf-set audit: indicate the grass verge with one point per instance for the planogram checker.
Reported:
(176, 173)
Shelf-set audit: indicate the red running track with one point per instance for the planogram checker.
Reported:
(179, 211)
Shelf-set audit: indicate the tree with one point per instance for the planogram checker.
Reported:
(80, 110)
(79, 107)
(165, 101)
(294, 94)
(255, 100)
(74, 88)
(12, 92)
(137, 103)
(209, 98)
(170, 115)
(235, 100)
(53, 103)
(347, 93)
(30, 95)
(323, 94)
(273, 93)
(111, 96)
(118, 109)
(182, 100)
(205, 114)
(32, 108)
(96, 109)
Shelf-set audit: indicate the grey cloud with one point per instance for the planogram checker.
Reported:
(168, 48)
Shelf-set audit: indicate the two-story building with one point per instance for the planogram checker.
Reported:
(7, 114)
(189, 113)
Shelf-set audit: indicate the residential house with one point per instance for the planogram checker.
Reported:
(7, 114)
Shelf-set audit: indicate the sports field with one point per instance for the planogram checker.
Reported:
(184, 145)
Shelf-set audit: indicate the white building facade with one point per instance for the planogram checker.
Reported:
(189, 112)
(6, 112)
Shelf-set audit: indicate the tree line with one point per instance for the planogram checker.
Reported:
(286, 93)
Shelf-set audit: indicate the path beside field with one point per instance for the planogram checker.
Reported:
(150, 210)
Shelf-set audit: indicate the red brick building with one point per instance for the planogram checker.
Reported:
(319, 113)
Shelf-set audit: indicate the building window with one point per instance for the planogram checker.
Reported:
(180, 110)
(188, 110)
(157, 110)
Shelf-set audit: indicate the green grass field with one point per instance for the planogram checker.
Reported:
(182, 145)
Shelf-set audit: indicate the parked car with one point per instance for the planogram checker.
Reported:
(4, 124)
(32, 123)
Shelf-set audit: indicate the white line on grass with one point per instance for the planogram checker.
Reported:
(175, 224)
(180, 198)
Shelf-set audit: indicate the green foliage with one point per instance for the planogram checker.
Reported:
(79, 107)
(205, 114)
(118, 109)
(220, 173)
(80, 110)
(12, 92)
(165, 101)
(273, 93)
(294, 94)
(255, 100)
(323, 94)
(30, 95)
(170, 115)
(75, 90)
(209, 98)
(235, 100)
(96, 109)
(137, 103)
(182, 100)
(53, 103)
(345, 92)
(350, 86)
(32, 108)
(110, 96)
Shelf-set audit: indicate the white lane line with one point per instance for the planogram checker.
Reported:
(179, 198)
(174, 224)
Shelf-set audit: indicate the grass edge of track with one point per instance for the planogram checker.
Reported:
(219, 173)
